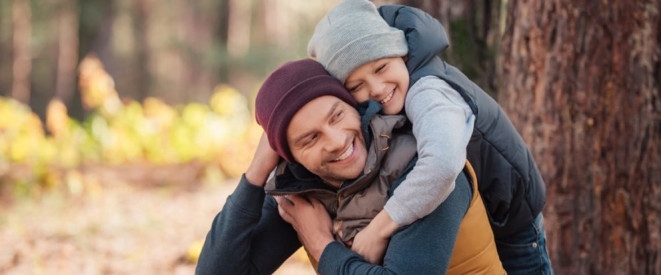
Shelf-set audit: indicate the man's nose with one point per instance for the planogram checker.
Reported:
(335, 140)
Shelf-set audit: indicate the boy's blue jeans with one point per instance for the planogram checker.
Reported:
(525, 252)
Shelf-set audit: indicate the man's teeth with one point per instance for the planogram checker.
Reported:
(346, 153)
(385, 100)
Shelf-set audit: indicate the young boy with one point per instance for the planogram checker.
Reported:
(447, 111)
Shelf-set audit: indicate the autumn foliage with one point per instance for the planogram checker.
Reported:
(139, 139)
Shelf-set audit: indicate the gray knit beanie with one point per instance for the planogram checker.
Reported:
(351, 35)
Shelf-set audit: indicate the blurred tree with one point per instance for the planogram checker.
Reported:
(222, 32)
(95, 19)
(581, 81)
(67, 50)
(6, 39)
(22, 65)
(140, 20)
(177, 51)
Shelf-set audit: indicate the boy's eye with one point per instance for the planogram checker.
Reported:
(380, 68)
(354, 88)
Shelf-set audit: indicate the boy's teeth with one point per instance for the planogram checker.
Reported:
(387, 98)
(346, 153)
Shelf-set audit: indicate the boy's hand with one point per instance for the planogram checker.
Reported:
(372, 241)
(310, 220)
(263, 162)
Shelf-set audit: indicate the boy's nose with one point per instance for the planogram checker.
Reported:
(378, 88)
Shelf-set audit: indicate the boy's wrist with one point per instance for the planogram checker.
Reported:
(384, 224)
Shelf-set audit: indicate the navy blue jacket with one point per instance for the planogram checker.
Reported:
(509, 180)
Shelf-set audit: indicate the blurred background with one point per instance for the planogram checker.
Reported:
(124, 124)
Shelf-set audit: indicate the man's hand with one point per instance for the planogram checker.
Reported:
(372, 241)
(263, 162)
(310, 220)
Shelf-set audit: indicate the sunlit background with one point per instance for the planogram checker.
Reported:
(124, 124)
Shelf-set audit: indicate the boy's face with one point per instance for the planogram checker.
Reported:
(324, 136)
(385, 80)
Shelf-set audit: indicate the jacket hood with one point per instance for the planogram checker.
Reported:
(426, 37)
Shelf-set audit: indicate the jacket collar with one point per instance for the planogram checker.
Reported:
(425, 36)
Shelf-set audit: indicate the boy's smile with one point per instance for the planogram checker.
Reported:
(385, 80)
(388, 98)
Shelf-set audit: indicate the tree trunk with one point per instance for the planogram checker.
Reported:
(22, 66)
(580, 80)
(140, 35)
(238, 29)
(67, 51)
(6, 57)
(223, 36)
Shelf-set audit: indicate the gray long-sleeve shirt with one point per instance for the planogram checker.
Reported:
(442, 125)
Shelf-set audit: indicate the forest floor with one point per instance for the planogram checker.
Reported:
(116, 229)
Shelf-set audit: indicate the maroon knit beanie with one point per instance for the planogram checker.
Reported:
(286, 91)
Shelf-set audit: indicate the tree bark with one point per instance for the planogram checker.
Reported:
(223, 36)
(140, 35)
(238, 29)
(580, 80)
(67, 51)
(22, 66)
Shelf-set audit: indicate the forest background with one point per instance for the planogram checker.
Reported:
(125, 123)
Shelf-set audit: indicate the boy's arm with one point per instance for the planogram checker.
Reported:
(442, 125)
(424, 247)
(247, 236)
(372, 241)
(442, 130)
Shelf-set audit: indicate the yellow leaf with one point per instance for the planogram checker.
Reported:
(194, 250)
(57, 120)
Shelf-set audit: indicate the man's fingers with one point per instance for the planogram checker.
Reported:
(297, 200)
(316, 203)
(284, 200)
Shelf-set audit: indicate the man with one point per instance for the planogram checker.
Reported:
(311, 122)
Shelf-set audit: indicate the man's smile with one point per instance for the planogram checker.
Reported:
(346, 153)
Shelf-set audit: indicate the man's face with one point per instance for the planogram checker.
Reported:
(385, 80)
(324, 136)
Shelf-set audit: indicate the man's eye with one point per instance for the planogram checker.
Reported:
(337, 117)
(310, 140)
